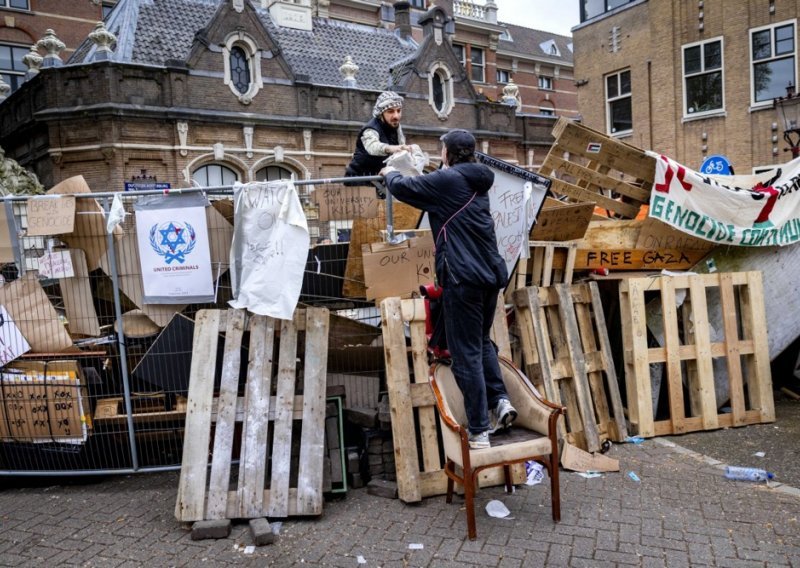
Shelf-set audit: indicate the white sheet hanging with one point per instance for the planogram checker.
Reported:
(269, 248)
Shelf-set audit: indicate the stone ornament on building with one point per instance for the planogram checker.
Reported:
(219, 151)
(104, 40)
(307, 143)
(511, 96)
(33, 61)
(278, 153)
(247, 132)
(238, 5)
(348, 71)
(183, 136)
(53, 48)
(5, 88)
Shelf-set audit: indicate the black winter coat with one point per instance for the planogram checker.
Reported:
(466, 247)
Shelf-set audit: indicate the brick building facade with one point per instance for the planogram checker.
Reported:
(689, 80)
(163, 101)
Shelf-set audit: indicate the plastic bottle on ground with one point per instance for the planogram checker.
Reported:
(747, 473)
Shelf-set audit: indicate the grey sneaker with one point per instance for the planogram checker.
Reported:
(504, 414)
(479, 441)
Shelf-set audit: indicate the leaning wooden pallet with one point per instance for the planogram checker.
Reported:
(410, 391)
(545, 266)
(690, 346)
(198, 501)
(566, 351)
(607, 161)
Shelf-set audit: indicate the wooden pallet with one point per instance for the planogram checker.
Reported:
(690, 348)
(610, 165)
(199, 501)
(567, 353)
(550, 262)
(414, 425)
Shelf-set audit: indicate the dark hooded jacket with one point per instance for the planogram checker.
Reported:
(466, 248)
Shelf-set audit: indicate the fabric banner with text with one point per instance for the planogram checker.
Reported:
(750, 211)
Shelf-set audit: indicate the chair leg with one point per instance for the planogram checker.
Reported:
(507, 474)
(449, 468)
(469, 503)
(555, 492)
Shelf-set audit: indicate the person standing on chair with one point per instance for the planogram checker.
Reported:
(379, 138)
(471, 272)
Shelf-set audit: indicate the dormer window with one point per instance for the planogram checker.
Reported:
(440, 90)
(240, 70)
(550, 48)
(242, 60)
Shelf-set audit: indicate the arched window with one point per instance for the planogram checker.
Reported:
(437, 86)
(440, 90)
(240, 70)
(273, 173)
(212, 175)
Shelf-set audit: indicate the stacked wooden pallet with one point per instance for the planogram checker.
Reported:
(266, 465)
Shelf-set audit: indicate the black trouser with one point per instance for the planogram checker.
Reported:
(468, 315)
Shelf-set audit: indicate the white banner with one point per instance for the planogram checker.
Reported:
(269, 249)
(174, 254)
(757, 210)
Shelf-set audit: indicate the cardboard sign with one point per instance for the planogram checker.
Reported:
(44, 402)
(35, 316)
(657, 235)
(577, 459)
(12, 342)
(398, 270)
(77, 295)
(343, 203)
(89, 233)
(56, 264)
(50, 215)
(6, 241)
(637, 259)
(562, 222)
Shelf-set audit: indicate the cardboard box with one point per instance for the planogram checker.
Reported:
(44, 401)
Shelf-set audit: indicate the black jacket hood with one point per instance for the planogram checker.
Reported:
(479, 177)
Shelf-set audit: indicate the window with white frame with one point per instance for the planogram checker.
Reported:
(619, 111)
(773, 58)
(547, 110)
(702, 77)
(545, 83)
(503, 75)
(18, 4)
(440, 90)
(459, 50)
(212, 175)
(273, 173)
(242, 60)
(12, 69)
(477, 65)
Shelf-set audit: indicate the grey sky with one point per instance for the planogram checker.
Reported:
(556, 16)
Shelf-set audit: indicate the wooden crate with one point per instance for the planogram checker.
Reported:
(609, 165)
(690, 346)
(199, 501)
(567, 353)
(550, 262)
(414, 425)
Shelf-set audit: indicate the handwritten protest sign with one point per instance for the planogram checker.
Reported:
(342, 203)
(398, 270)
(56, 264)
(51, 215)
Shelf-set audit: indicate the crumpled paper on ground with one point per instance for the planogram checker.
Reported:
(409, 163)
(497, 509)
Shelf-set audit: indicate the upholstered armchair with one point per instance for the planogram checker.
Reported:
(532, 437)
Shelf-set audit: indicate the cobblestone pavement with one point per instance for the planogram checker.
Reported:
(683, 512)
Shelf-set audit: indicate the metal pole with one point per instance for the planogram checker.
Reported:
(123, 355)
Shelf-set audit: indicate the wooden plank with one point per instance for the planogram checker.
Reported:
(707, 400)
(759, 385)
(312, 442)
(265, 497)
(637, 376)
(397, 382)
(561, 187)
(636, 259)
(426, 414)
(733, 358)
(640, 194)
(499, 332)
(671, 344)
(226, 415)
(282, 428)
(590, 353)
(580, 380)
(608, 364)
(664, 427)
(255, 448)
(190, 504)
(558, 221)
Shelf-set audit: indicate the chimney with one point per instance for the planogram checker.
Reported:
(402, 18)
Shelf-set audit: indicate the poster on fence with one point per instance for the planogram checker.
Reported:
(748, 211)
(337, 203)
(174, 252)
(50, 215)
(398, 270)
(12, 342)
